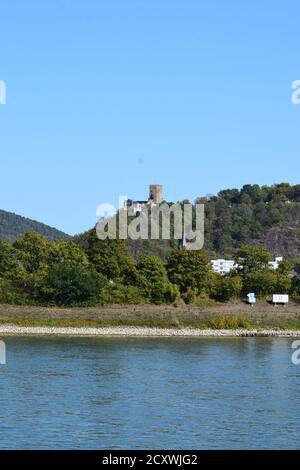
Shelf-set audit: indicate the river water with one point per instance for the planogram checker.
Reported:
(143, 393)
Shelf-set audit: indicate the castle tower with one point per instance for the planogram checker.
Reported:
(156, 193)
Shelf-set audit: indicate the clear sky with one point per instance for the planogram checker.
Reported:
(105, 97)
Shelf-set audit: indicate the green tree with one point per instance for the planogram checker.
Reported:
(227, 287)
(31, 252)
(262, 283)
(285, 267)
(283, 283)
(253, 259)
(6, 258)
(67, 285)
(115, 293)
(109, 257)
(189, 269)
(30, 255)
(152, 277)
(63, 251)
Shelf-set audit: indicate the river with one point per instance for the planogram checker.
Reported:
(143, 393)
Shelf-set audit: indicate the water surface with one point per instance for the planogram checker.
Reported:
(118, 393)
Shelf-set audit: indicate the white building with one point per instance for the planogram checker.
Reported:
(274, 265)
(155, 198)
(135, 206)
(223, 266)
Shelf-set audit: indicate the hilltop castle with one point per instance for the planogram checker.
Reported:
(155, 198)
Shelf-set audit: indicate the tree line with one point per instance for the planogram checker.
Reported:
(36, 271)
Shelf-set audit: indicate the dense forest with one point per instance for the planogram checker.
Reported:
(254, 215)
(13, 226)
(45, 267)
(267, 215)
(62, 273)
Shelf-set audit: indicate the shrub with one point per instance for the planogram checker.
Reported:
(227, 322)
(66, 285)
(9, 294)
(190, 296)
(226, 288)
(121, 294)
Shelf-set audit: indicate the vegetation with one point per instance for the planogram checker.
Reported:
(227, 322)
(48, 270)
(266, 215)
(254, 215)
(36, 271)
(62, 273)
(13, 226)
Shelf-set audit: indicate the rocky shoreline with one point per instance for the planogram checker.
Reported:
(143, 332)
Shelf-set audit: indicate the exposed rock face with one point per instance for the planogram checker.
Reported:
(284, 241)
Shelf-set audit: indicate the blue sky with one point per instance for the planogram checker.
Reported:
(105, 97)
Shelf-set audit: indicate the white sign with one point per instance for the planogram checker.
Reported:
(280, 299)
(251, 298)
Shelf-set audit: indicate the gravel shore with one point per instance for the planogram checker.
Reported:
(142, 332)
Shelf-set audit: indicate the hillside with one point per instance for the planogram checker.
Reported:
(267, 215)
(13, 226)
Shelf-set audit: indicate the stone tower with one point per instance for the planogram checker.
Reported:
(156, 194)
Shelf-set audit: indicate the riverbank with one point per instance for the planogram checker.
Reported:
(204, 317)
(8, 330)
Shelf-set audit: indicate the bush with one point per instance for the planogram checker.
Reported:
(267, 283)
(9, 294)
(66, 285)
(121, 294)
(190, 296)
(262, 283)
(228, 322)
(226, 288)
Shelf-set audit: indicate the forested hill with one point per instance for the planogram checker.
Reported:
(13, 226)
(264, 215)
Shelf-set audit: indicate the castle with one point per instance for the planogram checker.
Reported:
(155, 198)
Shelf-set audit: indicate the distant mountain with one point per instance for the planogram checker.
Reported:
(13, 226)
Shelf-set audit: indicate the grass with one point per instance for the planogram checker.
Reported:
(290, 325)
(224, 322)
(85, 323)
